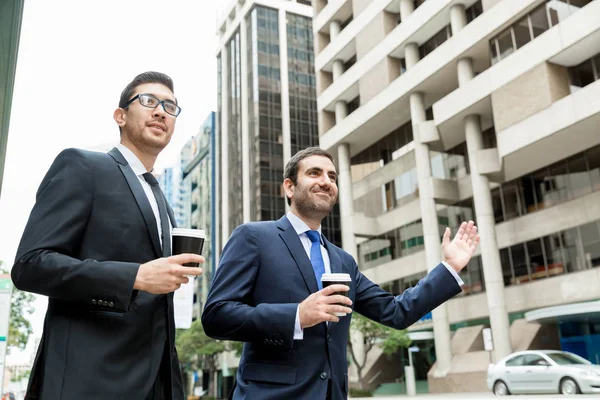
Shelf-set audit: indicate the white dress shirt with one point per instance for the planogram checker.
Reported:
(139, 170)
(301, 228)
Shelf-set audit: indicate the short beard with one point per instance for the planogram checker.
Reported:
(312, 210)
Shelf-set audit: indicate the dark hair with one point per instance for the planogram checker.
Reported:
(145, 77)
(291, 168)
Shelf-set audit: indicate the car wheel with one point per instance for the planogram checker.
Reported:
(569, 386)
(500, 389)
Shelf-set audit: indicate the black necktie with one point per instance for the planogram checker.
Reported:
(162, 212)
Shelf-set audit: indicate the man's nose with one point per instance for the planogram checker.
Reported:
(159, 111)
(326, 180)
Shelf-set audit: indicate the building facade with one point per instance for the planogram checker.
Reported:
(11, 15)
(267, 108)
(195, 204)
(169, 181)
(441, 111)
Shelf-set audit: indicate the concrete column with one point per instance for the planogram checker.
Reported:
(346, 200)
(285, 89)
(406, 8)
(224, 145)
(492, 268)
(484, 213)
(346, 216)
(458, 18)
(341, 111)
(431, 234)
(337, 69)
(465, 70)
(246, 211)
(335, 27)
(411, 55)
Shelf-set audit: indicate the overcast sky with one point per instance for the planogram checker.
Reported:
(75, 58)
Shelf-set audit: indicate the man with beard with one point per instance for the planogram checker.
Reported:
(267, 292)
(98, 244)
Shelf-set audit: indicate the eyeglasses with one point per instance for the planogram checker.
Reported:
(150, 101)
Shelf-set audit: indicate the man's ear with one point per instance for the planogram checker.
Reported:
(120, 117)
(288, 186)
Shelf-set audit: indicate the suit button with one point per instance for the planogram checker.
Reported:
(94, 301)
(329, 338)
(111, 304)
(323, 375)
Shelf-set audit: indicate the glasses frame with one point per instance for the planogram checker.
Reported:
(160, 102)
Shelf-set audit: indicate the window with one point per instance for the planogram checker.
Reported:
(535, 360)
(585, 73)
(526, 29)
(522, 33)
(474, 11)
(435, 41)
(515, 361)
(539, 21)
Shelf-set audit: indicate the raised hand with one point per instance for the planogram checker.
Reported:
(459, 251)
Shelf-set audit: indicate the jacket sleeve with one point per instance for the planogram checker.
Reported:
(229, 313)
(402, 311)
(46, 261)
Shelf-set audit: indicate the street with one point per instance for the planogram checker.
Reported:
(484, 395)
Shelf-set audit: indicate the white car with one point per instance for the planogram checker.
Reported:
(543, 371)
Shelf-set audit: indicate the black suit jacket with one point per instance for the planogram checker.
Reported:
(263, 274)
(89, 231)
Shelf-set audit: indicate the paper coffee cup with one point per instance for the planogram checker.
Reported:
(337, 278)
(187, 241)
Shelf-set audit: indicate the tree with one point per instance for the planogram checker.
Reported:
(372, 332)
(198, 351)
(21, 305)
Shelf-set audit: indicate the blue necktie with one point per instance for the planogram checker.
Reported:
(316, 258)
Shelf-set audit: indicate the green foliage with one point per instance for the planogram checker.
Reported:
(391, 340)
(237, 347)
(373, 333)
(21, 306)
(395, 341)
(193, 344)
(360, 393)
(23, 375)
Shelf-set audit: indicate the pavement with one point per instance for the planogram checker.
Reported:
(474, 396)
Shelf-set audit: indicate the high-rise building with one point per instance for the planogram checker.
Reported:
(195, 204)
(169, 181)
(441, 111)
(267, 108)
(11, 15)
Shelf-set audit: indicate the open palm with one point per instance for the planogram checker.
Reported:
(459, 251)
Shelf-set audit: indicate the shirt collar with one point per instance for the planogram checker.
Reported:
(300, 226)
(136, 165)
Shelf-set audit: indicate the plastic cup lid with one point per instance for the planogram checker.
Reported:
(189, 232)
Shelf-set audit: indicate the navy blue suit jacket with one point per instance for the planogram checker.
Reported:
(263, 275)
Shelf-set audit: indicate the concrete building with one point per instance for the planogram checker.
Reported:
(196, 195)
(11, 15)
(441, 111)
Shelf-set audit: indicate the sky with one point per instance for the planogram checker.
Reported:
(75, 57)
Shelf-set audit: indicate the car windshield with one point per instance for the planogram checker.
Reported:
(567, 359)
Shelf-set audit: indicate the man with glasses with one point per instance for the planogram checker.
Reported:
(98, 244)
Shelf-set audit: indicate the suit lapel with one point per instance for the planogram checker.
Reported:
(292, 241)
(140, 198)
